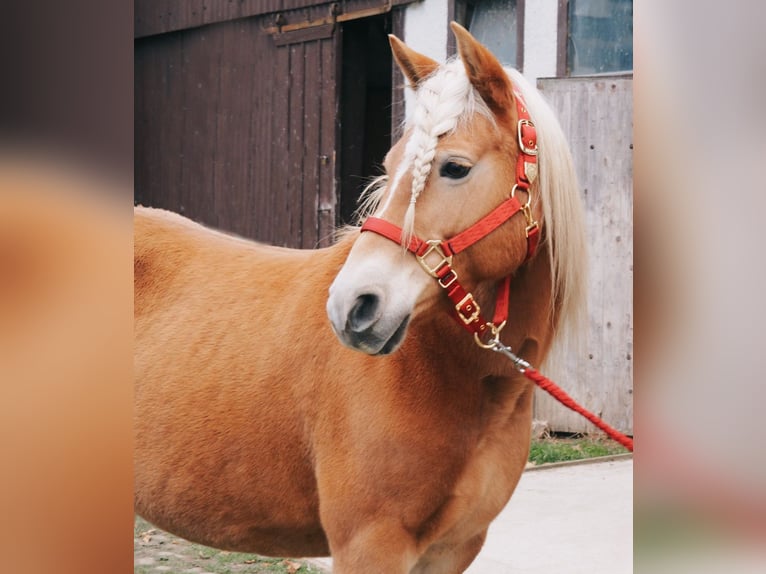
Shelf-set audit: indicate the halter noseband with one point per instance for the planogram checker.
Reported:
(435, 255)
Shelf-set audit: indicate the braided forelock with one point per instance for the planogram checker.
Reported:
(440, 102)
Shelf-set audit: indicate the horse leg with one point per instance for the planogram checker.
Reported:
(442, 558)
(382, 547)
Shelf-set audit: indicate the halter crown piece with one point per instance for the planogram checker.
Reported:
(435, 255)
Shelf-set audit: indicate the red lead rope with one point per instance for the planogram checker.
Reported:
(560, 395)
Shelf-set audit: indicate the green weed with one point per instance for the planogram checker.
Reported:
(547, 450)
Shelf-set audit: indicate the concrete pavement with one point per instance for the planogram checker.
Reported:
(562, 519)
(568, 519)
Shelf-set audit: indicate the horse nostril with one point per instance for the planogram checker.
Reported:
(364, 312)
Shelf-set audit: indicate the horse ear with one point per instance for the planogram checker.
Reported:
(415, 67)
(484, 71)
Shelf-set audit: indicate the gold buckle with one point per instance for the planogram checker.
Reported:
(434, 245)
(448, 279)
(474, 316)
(524, 149)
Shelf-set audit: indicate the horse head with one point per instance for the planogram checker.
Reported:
(456, 162)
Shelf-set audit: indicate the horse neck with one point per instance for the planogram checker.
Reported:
(533, 315)
(532, 318)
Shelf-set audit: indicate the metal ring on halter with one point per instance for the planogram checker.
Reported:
(492, 343)
(528, 204)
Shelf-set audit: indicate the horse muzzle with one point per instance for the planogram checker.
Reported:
(366, 320)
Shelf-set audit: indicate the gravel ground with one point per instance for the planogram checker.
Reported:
(156, 551)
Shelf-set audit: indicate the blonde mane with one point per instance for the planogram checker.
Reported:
(445, 100)
(564, 221)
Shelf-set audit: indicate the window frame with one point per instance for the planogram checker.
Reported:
(461, 11)
(562, 47)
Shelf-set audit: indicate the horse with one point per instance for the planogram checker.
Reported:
(330, 401)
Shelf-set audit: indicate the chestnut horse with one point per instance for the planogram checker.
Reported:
(257, 430)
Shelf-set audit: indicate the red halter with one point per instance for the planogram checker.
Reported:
(435, 255)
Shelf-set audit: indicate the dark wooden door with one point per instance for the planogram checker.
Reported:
(238, 131)
(236, 113)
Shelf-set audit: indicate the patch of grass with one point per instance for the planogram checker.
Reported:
(560, 449)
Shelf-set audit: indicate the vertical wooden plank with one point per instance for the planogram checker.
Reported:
(249, 73)
(274, 213)
(145, 146)
(293, 200)
(201, 101)
(596, 114)
(231, 177)
(328, 189)
(158, 120)
(311, 144)
(262, 138)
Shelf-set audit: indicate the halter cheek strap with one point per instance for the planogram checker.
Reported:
(435, 255)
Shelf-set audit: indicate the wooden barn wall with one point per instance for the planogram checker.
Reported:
(162, 16)
(236, 113)
(237, 132)
(597, 116)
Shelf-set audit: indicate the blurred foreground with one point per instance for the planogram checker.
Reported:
(65, 369)
(66, 294)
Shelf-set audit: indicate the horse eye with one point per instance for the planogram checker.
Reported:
(454, 170)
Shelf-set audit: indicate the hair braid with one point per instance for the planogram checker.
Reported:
(440, 102)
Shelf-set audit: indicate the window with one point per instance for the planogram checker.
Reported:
(497, 24)
(599, 37)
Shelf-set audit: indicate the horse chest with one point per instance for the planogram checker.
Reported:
(491, 472)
